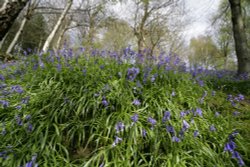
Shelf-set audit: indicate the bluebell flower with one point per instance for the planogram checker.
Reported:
(182, 114)
(196, 133)
(102, 164)
(173, 93)
(170, 129)
(144, 133)
(105, 102)
(238, 157)
(132, 73)
(230, 146)
(136, 102)
(217, 114)
(30, 127)
(241, 97)
(152, 121)
(117, 140)
(236, 113)
(19, 120)
(185, 125)
(212, 128)
(25, 100)
(176, 139)
(17, 88)
(2, 77)
(134, 118)
(59, 67)
(28, 117)
(199, 112)
(18, 107)
(229, 97)
(119, 127)
(4, 103)
(166, 116)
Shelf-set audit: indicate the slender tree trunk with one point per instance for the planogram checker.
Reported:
(3, 40)
(8, 13)
(242, 51)
(19, 32)
(59, 22)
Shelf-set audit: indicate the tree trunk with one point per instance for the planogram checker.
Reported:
(59, 22)
(8, 13)
(240, 39)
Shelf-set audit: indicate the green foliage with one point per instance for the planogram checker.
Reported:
(204, 52)
(76, 107)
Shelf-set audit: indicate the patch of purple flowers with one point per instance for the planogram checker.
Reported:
(119, 127)
(132, 73)
(166, 116)
(136, 102)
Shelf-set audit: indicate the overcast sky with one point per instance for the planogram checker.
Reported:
(200, 11)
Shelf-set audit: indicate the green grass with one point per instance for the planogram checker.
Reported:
(72, 126)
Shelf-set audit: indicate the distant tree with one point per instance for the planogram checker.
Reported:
(117, 35)
(204, 52)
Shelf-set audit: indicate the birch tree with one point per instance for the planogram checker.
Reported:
(29, 9)
(57, 26)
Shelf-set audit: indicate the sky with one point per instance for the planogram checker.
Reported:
(200, 13)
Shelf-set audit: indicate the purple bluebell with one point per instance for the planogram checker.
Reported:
(117, 140)
(173, 94)
(28, 117)
(198, 112)
(136, 102)
(102, 164)
(25, 100)
(236, 113)
(30, 127)
(196, 133)
(176, 139)
(232, 135)
(166, 116)
(212, 128)
(241, 97)
(18, 107)
(217, 114)
(230, 146)
(182, 114)
(2, 77)
(134, 118)
(170, 129)
(229, 97)
(4, 103)
(132, 73)
(104, 101)
(119, 127)
(185, 125)
(59, 67)
(236, 155)
(144, 133)
(19, 120)
(152, 121)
